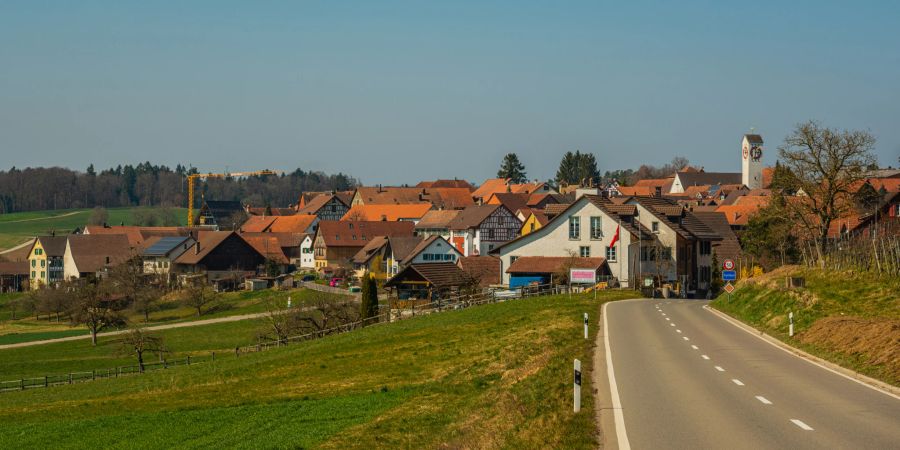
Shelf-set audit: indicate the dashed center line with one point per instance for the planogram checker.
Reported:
(695, 347)
(686, 338)
(720, 369)
(678, 331)
(705, 357)
(737, 382)
(668, 318)
(672, 324)
(802, 425)
(763, 400)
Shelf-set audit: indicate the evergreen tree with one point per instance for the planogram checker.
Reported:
(715, 282)
(368, 302)
(567, 168)
(576, 168)
(511, 168)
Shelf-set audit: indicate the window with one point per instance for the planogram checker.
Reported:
(532, 226)
(354, 237)
(427, 257)
(33, 263)
(513, 259)
(705, 247)
(596, 227)
(43, 263)
(655, 226)
(611, 254)
(32, 274)
(43, 274)
(584, 251)
(337, 237)
(574, 227)
(490, 234)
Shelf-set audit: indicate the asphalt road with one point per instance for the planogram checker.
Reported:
(687, 378)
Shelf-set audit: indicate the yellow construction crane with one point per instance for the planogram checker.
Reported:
(195, 176)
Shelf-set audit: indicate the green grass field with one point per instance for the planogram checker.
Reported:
(848, 318)
(495, 376)
(16, 228)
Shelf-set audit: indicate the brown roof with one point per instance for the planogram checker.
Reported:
(446, 184)
(485, 269)
(208, 241)
(445, 198)
(370, 249)
(391, 213)
(437, 218)
(754, 138)
(137, 235)
(511, 201)
(257, 224)
(53, 245)
(707, 178)
(729, 247)
(354, 233)
(316, 203)
(14, 268)
(552, 264)
(553, 209)
(268, 246)
(441, 275)
(472, 216)
(93, 252)
(501, 185)
(402, 247)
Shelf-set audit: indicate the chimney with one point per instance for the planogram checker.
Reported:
(197, 248)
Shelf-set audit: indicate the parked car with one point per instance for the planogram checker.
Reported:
(335, 282)
(355, 289)
(308, 277)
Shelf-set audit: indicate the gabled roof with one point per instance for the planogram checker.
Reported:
(257, 224)
(442, 198)
(92, 253)
(554, 209)
(267, 246)
(298, 223)
(442, 275)
(208, 241)
(635, 190)
(402, 246)
(162, 245)
(707, 178)
(261, 211)
(53, 245)
(676, 217)
(353, 233)
(14, 268)
(473, 216)
(485, 269)
(391, 213)
(316, 203)
(285, 240)
(727, 248)
(446, 184)
(511, 201)
(501, 185)
(369, 250)
(422, 245)
(552, 264)
(437, 218)
(739, 212)
(754, 138)
(137, 235)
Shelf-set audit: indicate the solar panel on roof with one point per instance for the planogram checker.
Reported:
(164, 245)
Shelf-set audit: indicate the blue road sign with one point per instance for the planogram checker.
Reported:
(729, 275)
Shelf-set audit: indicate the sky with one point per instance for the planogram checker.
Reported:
(398, 92)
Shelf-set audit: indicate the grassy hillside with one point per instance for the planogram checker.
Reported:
(18, 227)
(491, 376)
(848, 318)
(170, 311)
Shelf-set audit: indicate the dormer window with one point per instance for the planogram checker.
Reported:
(654, 226)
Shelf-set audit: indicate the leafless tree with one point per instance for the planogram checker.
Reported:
(139, 341)
(138, 289)
(93, 307)
(825, 164)
(321, 315)
(198, 295)
(50, 301)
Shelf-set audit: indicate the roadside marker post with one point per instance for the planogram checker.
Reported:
(585, 325)
(791, 328)
(289, 302)
(577, 405)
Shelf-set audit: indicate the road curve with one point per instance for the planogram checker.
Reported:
(688, 378)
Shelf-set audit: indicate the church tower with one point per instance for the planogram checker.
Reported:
(751, 161)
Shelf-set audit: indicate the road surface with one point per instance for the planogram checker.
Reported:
(687, 378)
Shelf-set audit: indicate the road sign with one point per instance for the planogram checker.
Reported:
(729, 288)
(582, 276)
(728, 264)
(729, 275)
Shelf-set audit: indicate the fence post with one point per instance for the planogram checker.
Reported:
(70, 377)
(117, 371)
(22, 382)
(237, 352)
(165, 364)
(93, 374)
(189, 360)
(213, 356)
(45, 381)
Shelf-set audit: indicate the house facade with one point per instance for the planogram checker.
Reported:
(326, 207)
(477, 230)
(46, 261)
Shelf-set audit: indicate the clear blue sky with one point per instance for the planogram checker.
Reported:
(396, 92)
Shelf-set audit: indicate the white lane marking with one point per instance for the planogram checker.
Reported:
(720, 369)
(678, 330)
(753, 333)
(763, 400)
(621, 435)
(672, 324)
(802, 425)
(695, 347)
(705, 357)
(737, 382)
(668, 318)
(686, 338)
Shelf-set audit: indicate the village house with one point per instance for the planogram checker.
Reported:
(440, 198)
(446, 184)
(162, 251)
(430, 281)
(337, 242)
(392, 254)
(298, 223)
(534, 221)
(502, 185)
(325, 206)
(436, 223)
(93, 255)
(13, 276)
(221, 215)
(46, 261)
(220, 257)
(479, 229)
(484, 270)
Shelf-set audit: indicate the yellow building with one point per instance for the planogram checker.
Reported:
(534, 222)
(45, 261)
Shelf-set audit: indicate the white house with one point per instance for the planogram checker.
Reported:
(480, 229)
(307, 258)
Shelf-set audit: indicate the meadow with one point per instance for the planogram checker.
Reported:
(497, 376)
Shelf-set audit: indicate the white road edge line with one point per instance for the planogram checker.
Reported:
(737, 382)
(802, 425)
(621, 435)
(763, 400)
(734, 322)
(720, 369)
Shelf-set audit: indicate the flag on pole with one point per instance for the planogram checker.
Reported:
(615, 237)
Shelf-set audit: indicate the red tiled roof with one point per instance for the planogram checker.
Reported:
(94, 252)
(552, 264)
(485, 269)
(353, 233)
(392, 213)
(268, 246)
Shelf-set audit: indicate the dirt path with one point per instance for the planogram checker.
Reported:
(44, 218)
(154, 328)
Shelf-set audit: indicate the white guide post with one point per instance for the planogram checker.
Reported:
(577, 405)
(585, 325)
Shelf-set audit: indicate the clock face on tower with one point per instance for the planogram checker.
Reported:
(756, 153)
(746, 152)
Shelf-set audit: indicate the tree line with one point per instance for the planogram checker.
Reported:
(581, 169)
(146, 184)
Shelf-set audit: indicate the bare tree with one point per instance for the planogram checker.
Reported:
(825, 164)
(93, 307)
(139, 341)
(50, 301)
(198, 295)
(137, 288)
(99, 216)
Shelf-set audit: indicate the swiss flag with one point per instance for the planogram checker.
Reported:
(615, 237)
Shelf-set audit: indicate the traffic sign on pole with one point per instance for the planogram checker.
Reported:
(728, 264)
(729, 275)
(729, 288)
